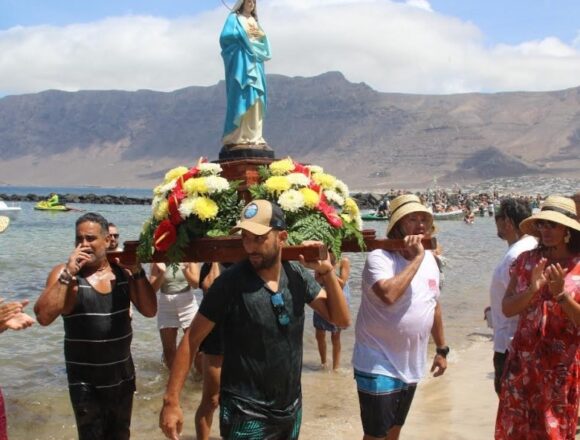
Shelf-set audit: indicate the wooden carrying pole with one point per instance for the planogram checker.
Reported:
(230, 249)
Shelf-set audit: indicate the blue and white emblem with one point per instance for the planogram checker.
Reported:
(251, 211)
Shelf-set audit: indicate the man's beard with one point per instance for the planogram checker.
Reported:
(268, 260)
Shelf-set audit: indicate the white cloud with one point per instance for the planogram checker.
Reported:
(395, 47)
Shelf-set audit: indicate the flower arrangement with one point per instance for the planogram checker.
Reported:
(189, 203)
(317, 205)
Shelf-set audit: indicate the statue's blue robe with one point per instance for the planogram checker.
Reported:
(244, 66)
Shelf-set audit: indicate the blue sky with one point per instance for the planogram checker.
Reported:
(414, 46)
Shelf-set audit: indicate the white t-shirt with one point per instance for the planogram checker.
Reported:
(392, 340)
(504, 327)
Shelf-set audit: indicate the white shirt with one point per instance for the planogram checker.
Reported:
(392, 340)
(504, 327)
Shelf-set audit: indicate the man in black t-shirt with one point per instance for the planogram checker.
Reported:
(260, 304)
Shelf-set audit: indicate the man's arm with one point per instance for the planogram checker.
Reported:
(142, 293)
(171, 417)
(56, 298)
(391, 289)
(330, 302)
(439, 362)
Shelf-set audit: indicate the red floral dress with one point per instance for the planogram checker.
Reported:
(541, 381)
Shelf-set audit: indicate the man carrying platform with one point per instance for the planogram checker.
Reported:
(260, 304)
(94, 300)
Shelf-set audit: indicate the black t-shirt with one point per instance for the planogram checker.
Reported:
(262, 358)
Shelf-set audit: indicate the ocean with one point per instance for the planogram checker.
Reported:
(33, 375)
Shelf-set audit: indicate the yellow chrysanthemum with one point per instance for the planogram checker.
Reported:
(281, 167)
(311, 198)
(195, 185)
(346, 217)
(277, 184)
(161, 211)
(205, 208)
(175, 173)
(350, 207)
(326, 181)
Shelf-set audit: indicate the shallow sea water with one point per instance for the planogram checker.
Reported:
(33, 376)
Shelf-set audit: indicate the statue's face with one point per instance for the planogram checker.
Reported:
(249, 6)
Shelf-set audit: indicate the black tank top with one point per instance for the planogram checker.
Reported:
(98, 334)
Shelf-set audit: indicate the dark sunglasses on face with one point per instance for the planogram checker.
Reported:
(280, 309)
(114, 235)
(545, 224)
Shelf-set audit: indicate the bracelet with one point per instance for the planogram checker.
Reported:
(560, 297)
(138, 275)
(65, 277)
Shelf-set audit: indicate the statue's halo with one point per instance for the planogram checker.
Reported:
(236, 5)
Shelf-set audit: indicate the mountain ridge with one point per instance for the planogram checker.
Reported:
(370, 139)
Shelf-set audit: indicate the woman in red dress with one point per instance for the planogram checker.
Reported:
(541, 382)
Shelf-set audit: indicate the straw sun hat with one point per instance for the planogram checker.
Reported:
(557, 209)
(403, 205)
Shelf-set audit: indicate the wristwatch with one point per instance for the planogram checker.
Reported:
(442, 351)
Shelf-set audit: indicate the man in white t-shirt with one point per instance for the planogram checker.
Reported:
(399, 310)
(510, 214)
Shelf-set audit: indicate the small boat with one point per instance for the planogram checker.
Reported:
(10, 211)
(374, 217)
(458, 214)
(45, 206)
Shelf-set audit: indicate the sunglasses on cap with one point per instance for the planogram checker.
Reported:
(280, 309)
(545, 224)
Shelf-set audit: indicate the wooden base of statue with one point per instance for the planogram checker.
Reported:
(245, 170)
(246, 151)
(230, 249)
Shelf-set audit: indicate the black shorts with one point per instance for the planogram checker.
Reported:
(384, 402)
(238, 422)
(499, 360)
(103, 413)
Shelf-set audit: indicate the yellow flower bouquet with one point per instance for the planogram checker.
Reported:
(317, 205)
(190, 203)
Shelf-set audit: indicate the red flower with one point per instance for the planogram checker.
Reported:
(299, 168)
(164, 236)
(330, 213)
(174, 200)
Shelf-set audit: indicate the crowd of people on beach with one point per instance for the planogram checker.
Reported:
(246, 336)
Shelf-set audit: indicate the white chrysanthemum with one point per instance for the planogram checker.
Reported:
(208, 168)
(186, 207)
(156, 201)
(315, 169)
(163, 189)
(334, 197)
(342, 188)
(216, 184)
(298, 179)
(291, 200)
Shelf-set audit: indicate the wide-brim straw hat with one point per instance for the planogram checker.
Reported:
(557, 209)
(404, 205)
(4, 222)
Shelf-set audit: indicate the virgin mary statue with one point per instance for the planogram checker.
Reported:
(245, 47)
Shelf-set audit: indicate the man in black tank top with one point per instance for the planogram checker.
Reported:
(94, 299)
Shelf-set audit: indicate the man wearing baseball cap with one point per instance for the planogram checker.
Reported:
(259, 302)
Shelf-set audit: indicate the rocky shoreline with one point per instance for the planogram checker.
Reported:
(364, 200)
(79, 198)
